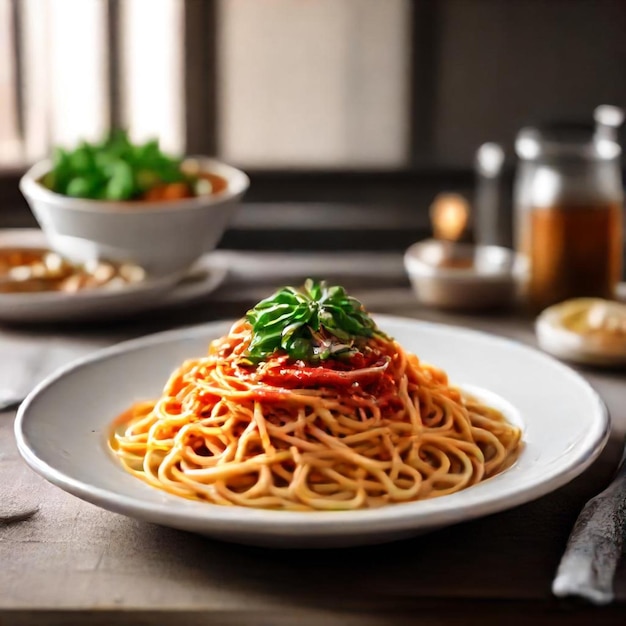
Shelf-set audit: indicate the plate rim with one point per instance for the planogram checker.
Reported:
(213, 518)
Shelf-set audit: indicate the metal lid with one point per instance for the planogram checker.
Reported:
(565, 140)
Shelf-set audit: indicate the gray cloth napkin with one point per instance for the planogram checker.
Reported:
(594, 548)
(24, 362)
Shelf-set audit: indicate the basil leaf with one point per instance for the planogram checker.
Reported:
(313, 323)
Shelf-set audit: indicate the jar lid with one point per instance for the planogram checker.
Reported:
(576, 141)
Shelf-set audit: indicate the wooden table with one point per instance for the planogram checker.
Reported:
(73, 563)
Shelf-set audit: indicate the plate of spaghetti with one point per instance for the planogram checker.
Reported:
(309, 422)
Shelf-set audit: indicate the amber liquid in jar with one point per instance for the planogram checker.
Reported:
(573, 251)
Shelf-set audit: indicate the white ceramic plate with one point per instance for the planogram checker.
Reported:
(102, 304)
(62, 426)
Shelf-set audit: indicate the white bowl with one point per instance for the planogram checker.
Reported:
(492, 281)
(163, 237)
(554, 336)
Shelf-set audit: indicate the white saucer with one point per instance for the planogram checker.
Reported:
(101, 304)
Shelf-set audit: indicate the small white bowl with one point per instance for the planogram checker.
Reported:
(489, 280)
(555, 336)
(163, 237)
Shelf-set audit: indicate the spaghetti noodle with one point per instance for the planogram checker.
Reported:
(375, 428)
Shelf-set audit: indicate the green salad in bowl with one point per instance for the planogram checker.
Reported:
(131, 202)
(117, 169)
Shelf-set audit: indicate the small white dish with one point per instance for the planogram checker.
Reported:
(62, 428)
(101, 303)
(163, 237)
(462, 276)
(563, 330)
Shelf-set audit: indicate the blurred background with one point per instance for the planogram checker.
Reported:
(349, 115)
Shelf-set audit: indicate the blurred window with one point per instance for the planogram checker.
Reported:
(314, 82)
(304, 84)
(10, 143)
(297, 82)
(65, 87)
(151, 76)
(64, 72)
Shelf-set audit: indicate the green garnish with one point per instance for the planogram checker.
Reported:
(312, 324)
(113, 169)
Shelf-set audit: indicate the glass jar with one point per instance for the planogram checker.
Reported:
(568, 205)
